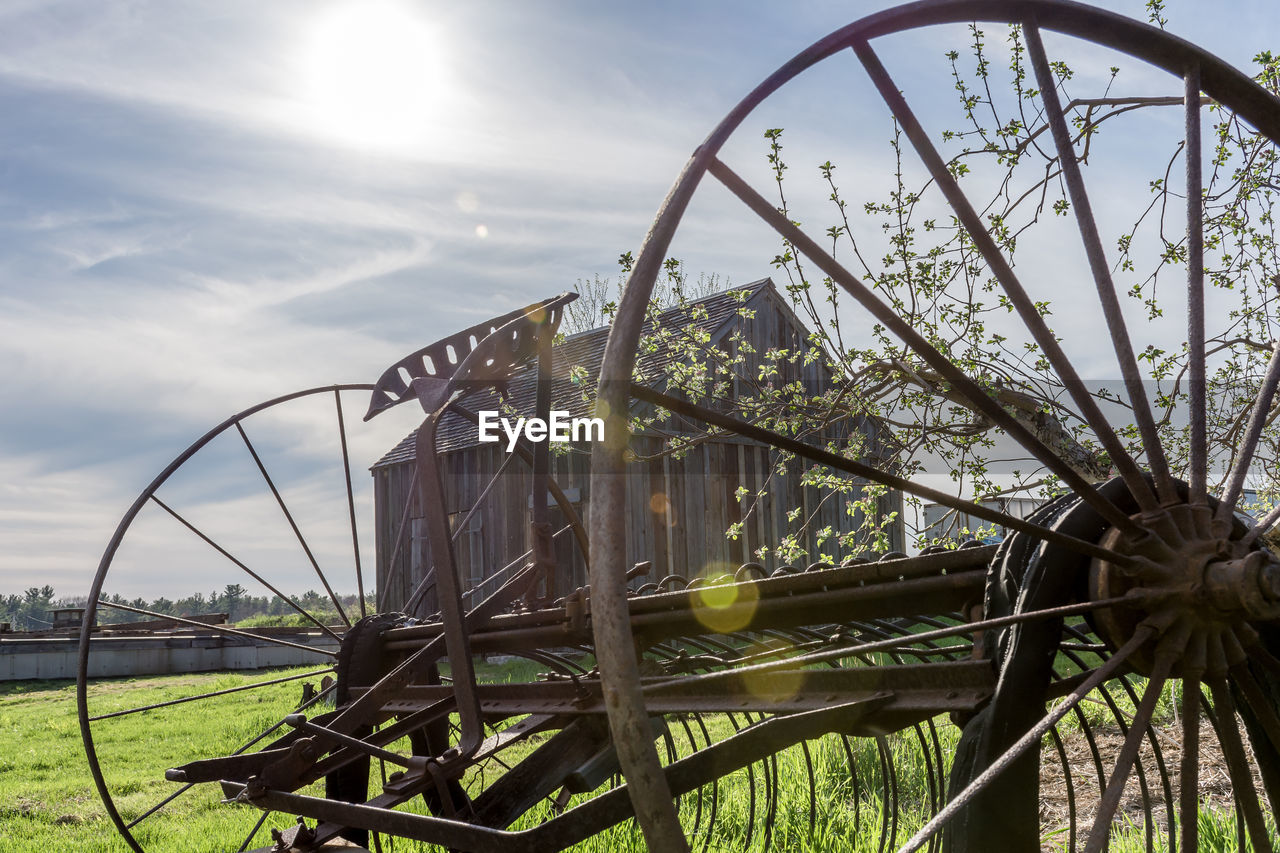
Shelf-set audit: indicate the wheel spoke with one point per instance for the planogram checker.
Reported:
(859, 469)
(244, 845)
(1258, 703)
(1140, 772)
(1189, 784)
(158, 806)
(1246, 794)
(1128, 754)
(325, 634)
(250, 572)
(254, 686)
(320, 695)
(428, 576)
(428, 582)
(999, 266)
(1249, 443)
(963, 385)
(1268, 521)
(351, 500)
(1259, 654)
(217, 629)
(264, 733)
(562, 501)
(1030, 739)
(1198, 456)
(1111, 309)
(289, 517)
(484, 493)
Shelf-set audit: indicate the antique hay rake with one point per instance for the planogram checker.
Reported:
(665, 701)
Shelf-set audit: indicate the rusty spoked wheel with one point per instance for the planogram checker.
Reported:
(1168, 585)
(263, 506)
(199, 525)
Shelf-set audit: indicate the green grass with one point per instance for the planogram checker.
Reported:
(51, 803)
(47, 798)
(48, 801)
(1217, 834)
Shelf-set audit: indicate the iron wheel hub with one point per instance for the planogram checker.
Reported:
(1197, 587)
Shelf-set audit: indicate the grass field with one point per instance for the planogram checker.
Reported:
(47, 798)
(48, 801)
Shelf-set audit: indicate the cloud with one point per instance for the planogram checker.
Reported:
(178, 239)
(53, 524)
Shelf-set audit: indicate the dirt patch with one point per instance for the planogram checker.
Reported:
(1087, 783)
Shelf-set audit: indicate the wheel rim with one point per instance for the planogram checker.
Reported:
(1200, 72)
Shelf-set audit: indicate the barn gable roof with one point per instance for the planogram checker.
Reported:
(712, 315)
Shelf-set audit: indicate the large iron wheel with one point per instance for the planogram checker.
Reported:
(266, 501)
(159, 533)
(1200, 592)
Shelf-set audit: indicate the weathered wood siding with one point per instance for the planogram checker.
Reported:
(679, 508)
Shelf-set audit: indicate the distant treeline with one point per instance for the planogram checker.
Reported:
(29, 610)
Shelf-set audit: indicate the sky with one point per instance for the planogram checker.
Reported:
(204, 205)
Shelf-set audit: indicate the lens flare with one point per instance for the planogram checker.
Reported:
(775, 685)
(722, 605)
(373, 75)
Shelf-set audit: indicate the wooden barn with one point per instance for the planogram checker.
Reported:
(679, 506)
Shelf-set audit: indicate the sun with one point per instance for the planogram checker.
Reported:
(373, 75)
